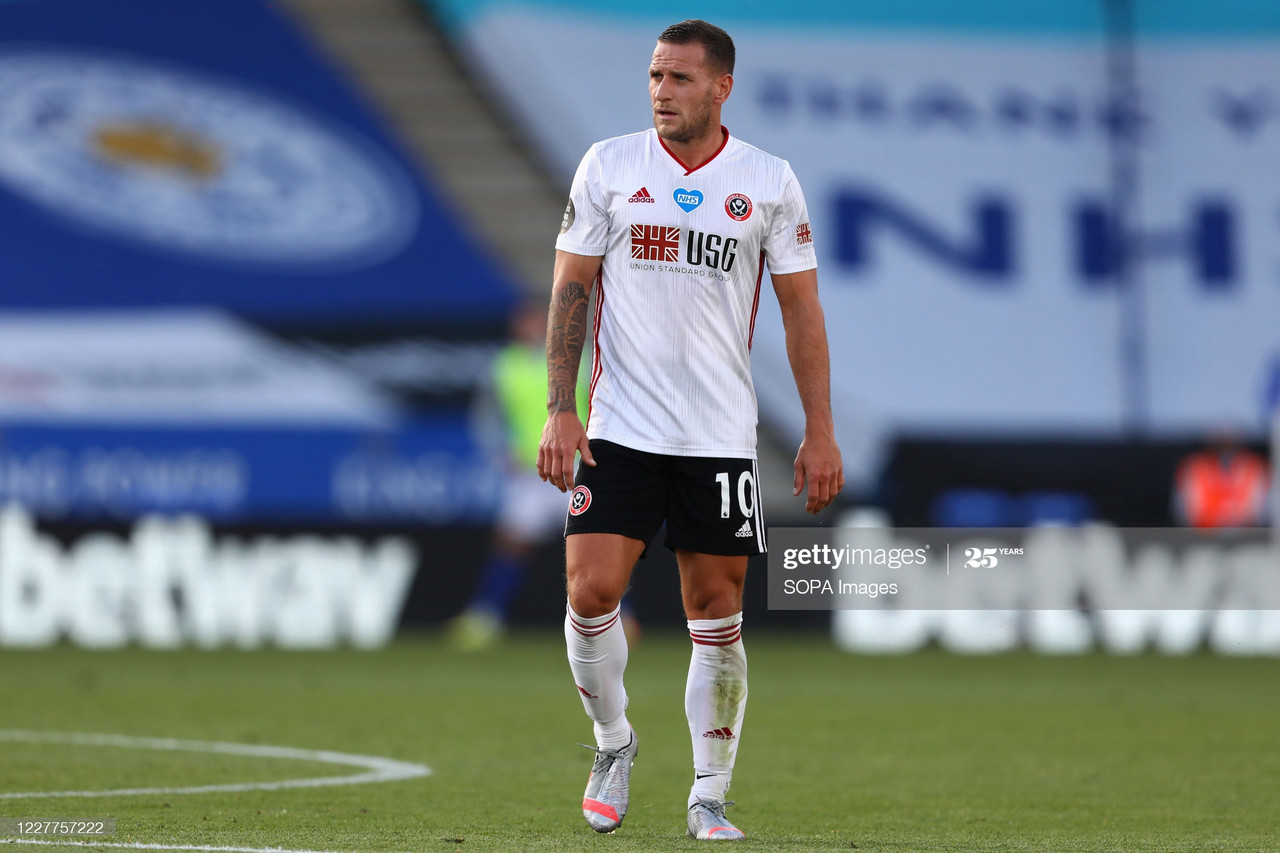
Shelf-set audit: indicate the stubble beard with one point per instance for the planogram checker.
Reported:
(691, 130)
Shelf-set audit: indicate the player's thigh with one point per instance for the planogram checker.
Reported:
(597, 570)
(615, 509)
(711, 584)
(713, 507)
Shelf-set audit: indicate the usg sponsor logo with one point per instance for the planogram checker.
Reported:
(662, 243)
(711, 250)
(188, 163)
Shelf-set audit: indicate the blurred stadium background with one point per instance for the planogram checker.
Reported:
(257, 258)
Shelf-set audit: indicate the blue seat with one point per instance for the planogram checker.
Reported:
(975, 508)
(1065, 508)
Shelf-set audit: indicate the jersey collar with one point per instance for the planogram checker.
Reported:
(723, 130)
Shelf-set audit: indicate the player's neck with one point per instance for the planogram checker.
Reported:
(696, 153)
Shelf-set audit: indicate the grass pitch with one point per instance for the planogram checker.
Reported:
(920, 753)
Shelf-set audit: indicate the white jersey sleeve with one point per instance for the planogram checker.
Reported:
(788, 245)
(585, 227)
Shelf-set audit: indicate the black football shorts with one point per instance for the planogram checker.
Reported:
(711, 505)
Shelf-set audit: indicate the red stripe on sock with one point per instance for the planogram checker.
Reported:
(726, 641)
(727, 629)
(702, 638)
(593, 630)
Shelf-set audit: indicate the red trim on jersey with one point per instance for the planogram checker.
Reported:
(683, 165)
(595, 344)
(755, 304)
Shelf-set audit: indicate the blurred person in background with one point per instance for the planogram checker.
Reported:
(1223, 485)
(674, 225)
(529, 514)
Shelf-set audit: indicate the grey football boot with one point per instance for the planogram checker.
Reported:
(604, 803)
(708, 823)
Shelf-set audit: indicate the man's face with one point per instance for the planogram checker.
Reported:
(683, 91)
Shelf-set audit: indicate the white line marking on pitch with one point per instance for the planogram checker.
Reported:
(376, 769)
(144, 846)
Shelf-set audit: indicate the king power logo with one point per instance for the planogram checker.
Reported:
(663, 244)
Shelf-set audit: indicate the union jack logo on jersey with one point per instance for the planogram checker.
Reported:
(655, 243)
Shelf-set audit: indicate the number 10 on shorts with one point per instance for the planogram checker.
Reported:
(746, 492)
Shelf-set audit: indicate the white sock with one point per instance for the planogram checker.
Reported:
(598, 657)
(715, 699)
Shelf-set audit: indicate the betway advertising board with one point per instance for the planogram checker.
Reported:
(1015, 235)
(171, 582)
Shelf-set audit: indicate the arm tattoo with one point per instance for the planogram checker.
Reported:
(566, 336)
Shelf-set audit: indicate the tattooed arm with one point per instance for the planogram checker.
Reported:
(564, 433)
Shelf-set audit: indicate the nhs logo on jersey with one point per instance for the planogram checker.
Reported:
(687, 199)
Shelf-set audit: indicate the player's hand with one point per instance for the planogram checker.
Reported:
(818, 463)
(562, 437)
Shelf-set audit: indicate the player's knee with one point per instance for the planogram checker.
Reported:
(588, 599)
(713, 602)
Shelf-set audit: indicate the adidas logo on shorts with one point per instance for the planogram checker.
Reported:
(745, 531)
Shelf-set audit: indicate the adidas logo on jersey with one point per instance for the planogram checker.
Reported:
(641, 197)
(745, 531)
(725, 733)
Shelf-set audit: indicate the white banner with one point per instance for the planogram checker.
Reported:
(961, 188)
(195, 367)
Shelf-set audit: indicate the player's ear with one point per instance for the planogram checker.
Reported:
(724, 85)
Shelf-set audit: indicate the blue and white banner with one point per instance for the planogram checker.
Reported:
(113, 415)
(966, 166)
(173, 178)
(202, 152)
(428, 471)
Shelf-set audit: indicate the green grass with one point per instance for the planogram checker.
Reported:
(920, 753)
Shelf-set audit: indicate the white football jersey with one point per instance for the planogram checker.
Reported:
(684, 253)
